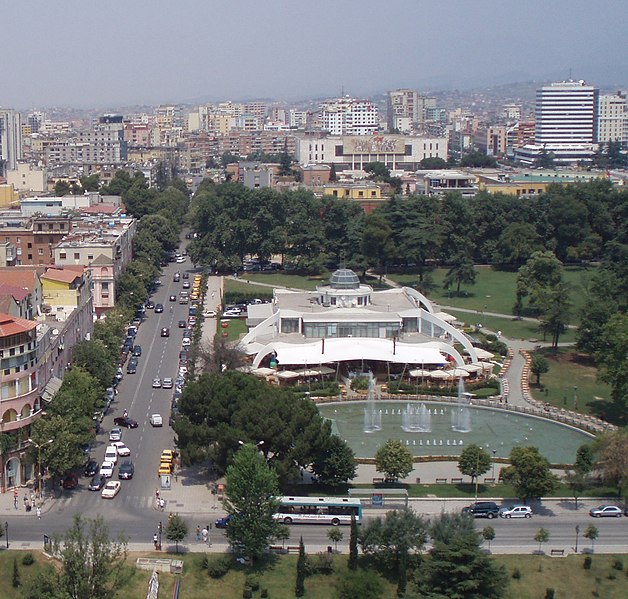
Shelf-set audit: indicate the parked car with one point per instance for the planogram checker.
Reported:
(97, 483)
(111, 454)
(482, 509)
(115, 434)
(516, 511)
(606, 511)
(126, 470)
(150, 305)
(125, 421)
(156, 420)
(112, 488)
(91, 468)
(167, 383)
(70, 481)
(164, 468)
(167, 455)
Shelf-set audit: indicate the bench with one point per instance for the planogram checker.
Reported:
(378, 481)
(441, 481)
(292, 549)
(560, 552)
(490, 481)
(456, 481)
(277, 549)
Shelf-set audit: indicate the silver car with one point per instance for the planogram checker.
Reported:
(516, 511)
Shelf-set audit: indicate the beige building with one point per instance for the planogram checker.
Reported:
(26, 177)
(612, 116)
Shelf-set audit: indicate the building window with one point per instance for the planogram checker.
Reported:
(62, 256)
(77, 256)
(40, 251)
(29, 245)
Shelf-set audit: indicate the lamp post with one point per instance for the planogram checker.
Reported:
(39, 446)
(6, 532)
(577, 533)
(493, 475)
(575, 397)
(160, 529)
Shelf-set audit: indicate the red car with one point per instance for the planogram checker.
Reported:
(70, 481)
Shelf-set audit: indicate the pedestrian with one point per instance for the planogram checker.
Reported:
(125, 414)
(155, 540)
(162, 504)
(38, 513)
(198, 533)
(205, 534)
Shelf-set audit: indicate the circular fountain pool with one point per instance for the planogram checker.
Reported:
(496, 430)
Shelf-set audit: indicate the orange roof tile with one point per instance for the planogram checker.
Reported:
(19, 276)
(11, 325)
(65, 276)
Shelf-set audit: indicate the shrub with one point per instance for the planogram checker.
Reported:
(516, 574)
(618, 565)
(586, 564)
(28, 559)
(247, 594)
(218, 567)
(549, 593)
(264, 593)
(365, 584)
(360, 383)
(252, 582)
(323, 563)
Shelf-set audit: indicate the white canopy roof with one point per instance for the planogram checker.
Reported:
(419, 372)
(287, 374)
(482, 354)
(472, 367)
(348, 348)
(440, 374)
(458, 372)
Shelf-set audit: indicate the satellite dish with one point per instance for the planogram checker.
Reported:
(55, 331)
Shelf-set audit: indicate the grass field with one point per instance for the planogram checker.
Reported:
(537, 573)
(236, 328)
(566, 371)
(494, 290)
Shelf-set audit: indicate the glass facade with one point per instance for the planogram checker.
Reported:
(318, 330)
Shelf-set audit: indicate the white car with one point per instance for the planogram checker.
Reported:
(111, 454)
(121, 448)
(180, 259)
(156, 383)
(115, 434)
(167, 383)
(186, 342)
(516, 511)
(209, 314)
(156, 420)
(606, 511)
(106, 469)
(111, 489)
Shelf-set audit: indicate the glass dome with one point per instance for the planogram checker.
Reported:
(344, 278)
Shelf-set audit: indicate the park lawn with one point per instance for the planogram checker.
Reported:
(282, 279)
(565, 575)
(494, 290)
(236, 328)
(566, 370)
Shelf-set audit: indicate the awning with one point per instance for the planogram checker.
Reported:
(418, 372)
(440, 374)
(51, 389)
(287, 375)
(472, 367)
(308, 372)
(482, 354)
(458, 372)
(262, 371)
(326, 370)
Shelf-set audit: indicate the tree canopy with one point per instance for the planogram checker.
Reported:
(394, 459)
(529, 473)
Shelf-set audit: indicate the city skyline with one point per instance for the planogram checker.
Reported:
(132, 54)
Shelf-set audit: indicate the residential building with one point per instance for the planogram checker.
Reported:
(612, 117)
(348, 116)
(367, 194)
(28, 177)
(437, 183)
(10, 140)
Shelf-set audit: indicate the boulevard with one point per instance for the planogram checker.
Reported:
(133, 512)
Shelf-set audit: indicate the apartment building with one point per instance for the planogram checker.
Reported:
(612, 119)
(10, 140)
(348, 116)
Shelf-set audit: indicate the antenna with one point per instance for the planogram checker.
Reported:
(570, 77)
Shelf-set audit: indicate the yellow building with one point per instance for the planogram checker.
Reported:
(8, 196)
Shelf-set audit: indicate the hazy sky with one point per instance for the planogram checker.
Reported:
(118, 52)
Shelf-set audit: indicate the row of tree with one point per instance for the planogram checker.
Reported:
(576, 222)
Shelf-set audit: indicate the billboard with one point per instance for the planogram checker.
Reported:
(373, 144)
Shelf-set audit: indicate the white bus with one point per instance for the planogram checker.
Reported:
(318, 510)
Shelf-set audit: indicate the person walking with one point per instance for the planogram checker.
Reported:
(38, 513)
(155, 540)
(198, 533)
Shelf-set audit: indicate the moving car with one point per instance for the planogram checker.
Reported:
(165, 468)
(223, 522)
(186, 275)
(182, 324)
(121, 448)
(482, 509)
(516, 511)
(115, 434)
(112, 488)
(97, 483)
(150, 305)
(157, 383)
(606, 511)
(186, 285)
(165, 332)
(156, 420)
(180, 259)
(91, 468)
(159, 308)
(106, 469)
(209, 314)
(125, 421)
(167, 383)
(173, 298)
(126, 470)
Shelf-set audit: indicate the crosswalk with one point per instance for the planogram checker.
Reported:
(94, 501)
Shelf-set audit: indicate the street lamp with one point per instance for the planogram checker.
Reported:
(6, 532)
(160, 529)
(577, 533)
(39, 446)
(493, 475)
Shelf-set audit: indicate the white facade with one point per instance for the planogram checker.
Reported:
(346, 116)
(27, 177)
(355, 152)
(10, 139)
(613, 119)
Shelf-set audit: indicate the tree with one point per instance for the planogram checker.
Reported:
(461, 271)
(176, 530)
(394, 459)
(585, 459)
(592, 533)
(539, 366)
(529, 473)
(335, 535)
(545, 160)
(335, 462)
(612, 363)
(449, 526)
(459, 568)
(474, 461)
(365, 584)
(392, 538)
(577, 482)
(252, 488)
(555, 308)
(299, 587)
(90, 182)
(434, 163)
(62, 188)
(541, 272)
(488, 534)
(92, 563)
(353, 545)
(611, 450)
(93, 356)
(542, 536)
(332, 174)
(478, 160)
(516, 243)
